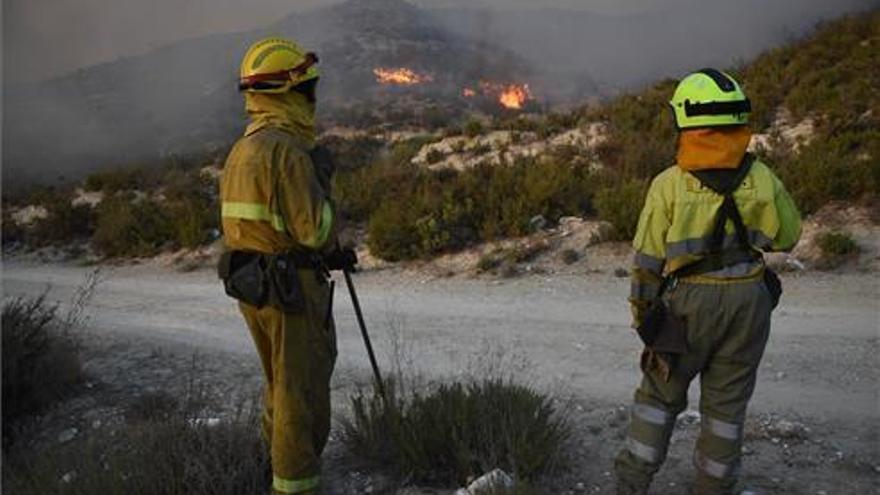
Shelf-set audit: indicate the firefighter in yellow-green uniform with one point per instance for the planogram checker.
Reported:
(277, 221)
(698, 247)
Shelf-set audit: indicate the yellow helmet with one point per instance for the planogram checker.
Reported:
(275, 65)
(709, 98)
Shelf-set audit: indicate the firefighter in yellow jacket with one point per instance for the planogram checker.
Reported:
(277, 220)
(703, 265)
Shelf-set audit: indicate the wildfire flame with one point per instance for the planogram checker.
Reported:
(510, 95)
(515, 96)
(400, 76)
(468, 93)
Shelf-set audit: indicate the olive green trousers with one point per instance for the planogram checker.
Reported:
(727, 326)
(298, 352)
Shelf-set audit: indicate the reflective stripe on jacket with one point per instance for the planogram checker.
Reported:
(676, 223)
(272, 200)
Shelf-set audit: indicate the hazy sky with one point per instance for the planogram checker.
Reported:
(43, 38)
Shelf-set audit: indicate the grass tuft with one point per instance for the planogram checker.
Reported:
(40, 361)
(457, 431)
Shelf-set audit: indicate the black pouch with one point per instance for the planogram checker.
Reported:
(774, 286)
(285, 288)
(662, 330)
(244, 277)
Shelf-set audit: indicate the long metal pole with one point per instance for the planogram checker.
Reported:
(380, 385)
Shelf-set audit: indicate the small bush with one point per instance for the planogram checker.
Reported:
(170, 452)
(473, 128)
(435, 156)
(621, 206)
(458, 431)
(393, 233)
(127, 227)
(40, 361)
(64, 222)
(488, 262)
(837, 244)
(569, 256)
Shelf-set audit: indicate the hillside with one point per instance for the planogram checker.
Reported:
(516, 188)
(182, 98)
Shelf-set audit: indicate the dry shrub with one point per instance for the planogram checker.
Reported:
(171, 450)
(40, 361)
(458, 430)
(620, 205)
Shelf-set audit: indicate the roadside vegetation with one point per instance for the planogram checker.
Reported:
(41, 362)
(134, 211)
(163, 443)
(410, 211)
(450, 433)
(164, 446)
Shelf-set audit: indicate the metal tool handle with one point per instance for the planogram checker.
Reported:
(380, 385)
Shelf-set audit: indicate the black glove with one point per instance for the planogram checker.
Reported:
(325, 166)
(341, 259)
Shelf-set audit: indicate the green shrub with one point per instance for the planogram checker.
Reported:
(844, 166)
(472, 128)
(435, 156)
(621, 205)
(111, 181)
(488, 262)
(63, 223)
(392, 232)
(40, 361)
(128, 227)
(459, 430)
(191, 220)
(12, 232)
(837, 244)
(569, 256)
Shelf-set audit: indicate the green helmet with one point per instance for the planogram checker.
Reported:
(709, 98)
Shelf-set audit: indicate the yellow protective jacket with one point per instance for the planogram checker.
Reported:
(675, 228)
(272, 199)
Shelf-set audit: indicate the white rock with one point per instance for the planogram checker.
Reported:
(67, 435)
(490, 483)
(68, 477)
(209, 422)
(83, 197)
(29, 214)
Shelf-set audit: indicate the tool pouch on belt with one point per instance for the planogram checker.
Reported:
(244, 277)
(662, 330)
(285, 288)
(260, 279)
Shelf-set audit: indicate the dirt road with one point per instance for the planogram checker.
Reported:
(821, 364)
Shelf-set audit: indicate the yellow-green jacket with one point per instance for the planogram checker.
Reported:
(675, 228)
(272, 199)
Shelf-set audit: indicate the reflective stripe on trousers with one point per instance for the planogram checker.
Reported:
(650, 428)
(295, 486)
(715, 469)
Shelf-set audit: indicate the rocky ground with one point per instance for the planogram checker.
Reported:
(813, 427)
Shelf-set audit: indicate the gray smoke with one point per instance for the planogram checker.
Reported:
(165, 79)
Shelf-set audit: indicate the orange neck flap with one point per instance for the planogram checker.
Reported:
(714, 147)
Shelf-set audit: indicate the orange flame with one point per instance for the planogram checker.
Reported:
(510, 95)
(515, 96)
(400, 76)
(468, 93)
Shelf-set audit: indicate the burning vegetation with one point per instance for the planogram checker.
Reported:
(400, 76)
(512, 96)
